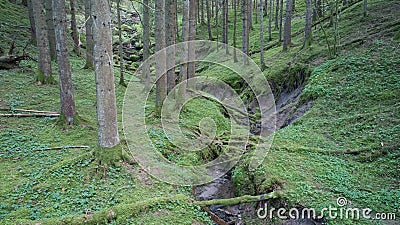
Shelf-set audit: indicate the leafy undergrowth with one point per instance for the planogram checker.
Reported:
(355, 109)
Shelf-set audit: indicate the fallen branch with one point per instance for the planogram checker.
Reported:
(239, 200)
(30, 115)
(26, 110)
(60, 148)
(8, 62)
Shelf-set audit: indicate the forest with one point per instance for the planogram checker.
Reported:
(200, 112)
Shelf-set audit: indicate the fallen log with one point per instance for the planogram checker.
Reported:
(239, 200)
(26, 110)
(30, 115)
(8, 62)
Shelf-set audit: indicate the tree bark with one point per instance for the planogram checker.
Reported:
(287, 38)
(280, 19)
(277, 14)
(208, 20)
(105, 88)
(32, 22)
(235, 59)
(64, 67)
(270, 20)
(170, 41)
(245, 30)
(202, 12)
(192, 37)
(365, 8)
(89, 35)
(75, 36)
(120, 52)
(262, 37)
(307, 29)
(146, 43)
(45, 70)
(159, 33)
(50, 28)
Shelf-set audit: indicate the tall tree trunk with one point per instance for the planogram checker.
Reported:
(208, 20)
(32, 22)
(226, 26)
(74, 29)
(245, 30)
(120, 53)
(64, 67)
(192, 37)
(104, 72)
(277, 15)
(89, 35)
(250, 14)
(235, 59)
(255, 9)
(170, 41)
(159, 34)
(293, 5)
(185, 38)
(146, 43)
(365, 8)
(216, 18)
(50, 28)
(287, 34)
(202, 12)
(262, 38)
(307, 29)
(44, 75)
(270, 20)
(319, 8)
(280, 19)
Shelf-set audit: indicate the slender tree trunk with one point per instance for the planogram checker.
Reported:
(280, 19)
(293, 5)
(202, 12)
(32, 22)
(75, 36)
(255, 9)
(120, 53)
(198, 11)
(308, 26)
(216, 18)
(146, 43)
(250, 14)
(185, 38)
(104, 72)
(44, 75)
(170, 41)
(50, 28)
(287, 34)
(208, 20)
(159, 34)
(64, 67)
(89, 35)
(245, 30)
(235, 59)
(365, 8)
(226, 26)
(262, 38)
(277, 15)
(270, 20)
(319, 8)
(192, 37)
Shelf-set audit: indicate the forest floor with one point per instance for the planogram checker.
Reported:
(344, 144)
